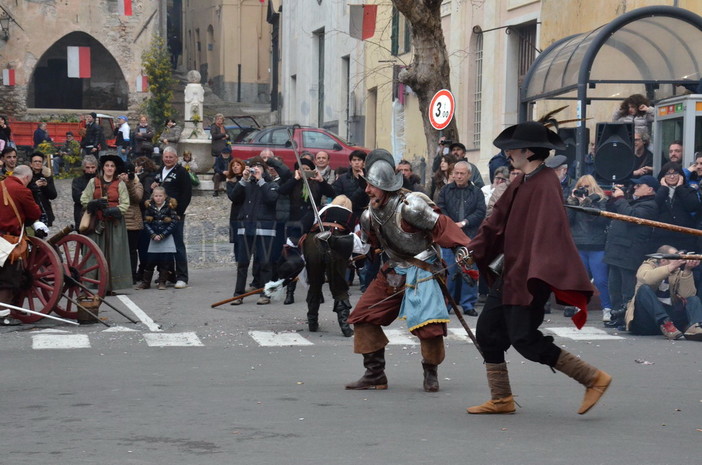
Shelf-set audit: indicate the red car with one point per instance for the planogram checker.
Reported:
(277, 139)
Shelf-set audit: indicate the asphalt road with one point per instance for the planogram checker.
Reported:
(194, 385)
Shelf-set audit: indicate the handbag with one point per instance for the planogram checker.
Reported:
(194, 180)
(87, 223)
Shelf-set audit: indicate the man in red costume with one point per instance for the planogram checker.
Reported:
(528, 227)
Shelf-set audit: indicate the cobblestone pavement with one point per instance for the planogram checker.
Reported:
(206, 225)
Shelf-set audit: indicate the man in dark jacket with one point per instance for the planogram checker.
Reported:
(176, 180)
(529, 228)
(627, 243)
(464, 203)
(256, 225)
(79, 184)
(352, 184)
(42, 187)
(94, 139)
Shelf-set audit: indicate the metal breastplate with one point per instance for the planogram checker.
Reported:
(398, 244)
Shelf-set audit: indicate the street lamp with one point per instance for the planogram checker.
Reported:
(5, 20)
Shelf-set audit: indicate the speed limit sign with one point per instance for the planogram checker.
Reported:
(441, 109)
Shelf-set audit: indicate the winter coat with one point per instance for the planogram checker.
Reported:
(78, 185)
(219, 140)
(132, 217)
(628, 243)
(589, 232)
(44, 195)
(353, 188)
(161, 221)
(178, 186)
(258, 200)
(469, 200)
(143, 136)
(299, 207)
(679, 210)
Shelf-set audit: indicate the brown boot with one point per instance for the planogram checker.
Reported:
(374, 377)
(431, 377)
(146, 281)
(595, 381)
(500, 391)
(433, 353)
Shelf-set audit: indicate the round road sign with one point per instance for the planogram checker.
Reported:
(441, 109)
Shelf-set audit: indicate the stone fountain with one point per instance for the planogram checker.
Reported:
(193, 137)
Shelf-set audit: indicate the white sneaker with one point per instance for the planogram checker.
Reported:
(606, 315)
(4, 313)
(181, 284)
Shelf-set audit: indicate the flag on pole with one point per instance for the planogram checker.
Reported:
(125, 7)
(8, 77)
(78, 62)
(142, 83)
(362, 21)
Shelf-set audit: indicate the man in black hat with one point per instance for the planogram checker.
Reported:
(527, 231)
(458, 150)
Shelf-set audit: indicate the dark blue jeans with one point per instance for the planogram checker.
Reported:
(181, 255)
(649, 312)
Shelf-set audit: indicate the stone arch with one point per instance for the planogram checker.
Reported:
(50, 86)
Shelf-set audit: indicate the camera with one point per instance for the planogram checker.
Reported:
(309, 174)
(446, 142)
(581, 192)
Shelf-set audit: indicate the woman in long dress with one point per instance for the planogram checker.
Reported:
(108, 198)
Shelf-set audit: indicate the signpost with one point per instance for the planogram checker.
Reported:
(441, 109)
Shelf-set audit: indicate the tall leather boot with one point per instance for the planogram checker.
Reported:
(342, 309)
(500, 391)
(374, 377)
(290, 293)
(433, 353)
(162, 278)
(595, 381)
(312, 313)
(146, 280)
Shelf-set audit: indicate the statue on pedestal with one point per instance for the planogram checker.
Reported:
(194, 99)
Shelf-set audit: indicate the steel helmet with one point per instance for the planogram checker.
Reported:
(380, 171)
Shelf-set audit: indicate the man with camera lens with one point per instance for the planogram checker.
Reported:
(665, 298)
(42, 187)
(627, 243)
(256, 233)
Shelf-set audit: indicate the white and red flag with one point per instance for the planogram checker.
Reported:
(362, 21)
(125, 7)
(8, 77)
(78, 62)
(142, 83)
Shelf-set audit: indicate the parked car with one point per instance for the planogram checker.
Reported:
(277, 139)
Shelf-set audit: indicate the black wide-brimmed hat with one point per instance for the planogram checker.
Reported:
(119, 163)
(526, 135)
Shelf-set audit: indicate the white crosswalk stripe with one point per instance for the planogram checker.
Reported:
(588, 333)
(278, 339)
(60, 341)
(172, 340)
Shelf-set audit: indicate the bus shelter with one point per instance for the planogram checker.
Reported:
(656, 48)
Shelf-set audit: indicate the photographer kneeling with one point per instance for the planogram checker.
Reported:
(665, 299)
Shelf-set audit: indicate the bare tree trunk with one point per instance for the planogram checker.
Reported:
(429, 71)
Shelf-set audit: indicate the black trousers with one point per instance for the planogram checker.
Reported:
(501, 326)
(318, 263)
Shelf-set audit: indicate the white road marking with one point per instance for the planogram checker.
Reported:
(119, 329)
(274, 339)
(400, 337)
(459, 334)
(588, 333)
(139, 313)
(60, 341)
(172, 340)
(51, 331)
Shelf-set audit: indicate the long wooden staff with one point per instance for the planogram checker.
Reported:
(633, 219)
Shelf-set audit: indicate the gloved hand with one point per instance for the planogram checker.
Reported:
(464, 258)
(112, 212)
(95, 205)
(40, 229)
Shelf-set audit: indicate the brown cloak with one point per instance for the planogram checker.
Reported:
(529, 225)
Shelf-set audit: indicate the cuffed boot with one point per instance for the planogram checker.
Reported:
(290, 293)
(431, 377)
(500, 392)
(146, 281)
(162, 278)
(595, 381)
(374, 377)
(342, 309)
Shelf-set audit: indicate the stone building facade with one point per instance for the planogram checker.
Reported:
(36, 49)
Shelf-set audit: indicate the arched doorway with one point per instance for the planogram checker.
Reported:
(50, 86)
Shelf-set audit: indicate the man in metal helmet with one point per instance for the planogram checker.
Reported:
(528, 229)
(410, 230)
